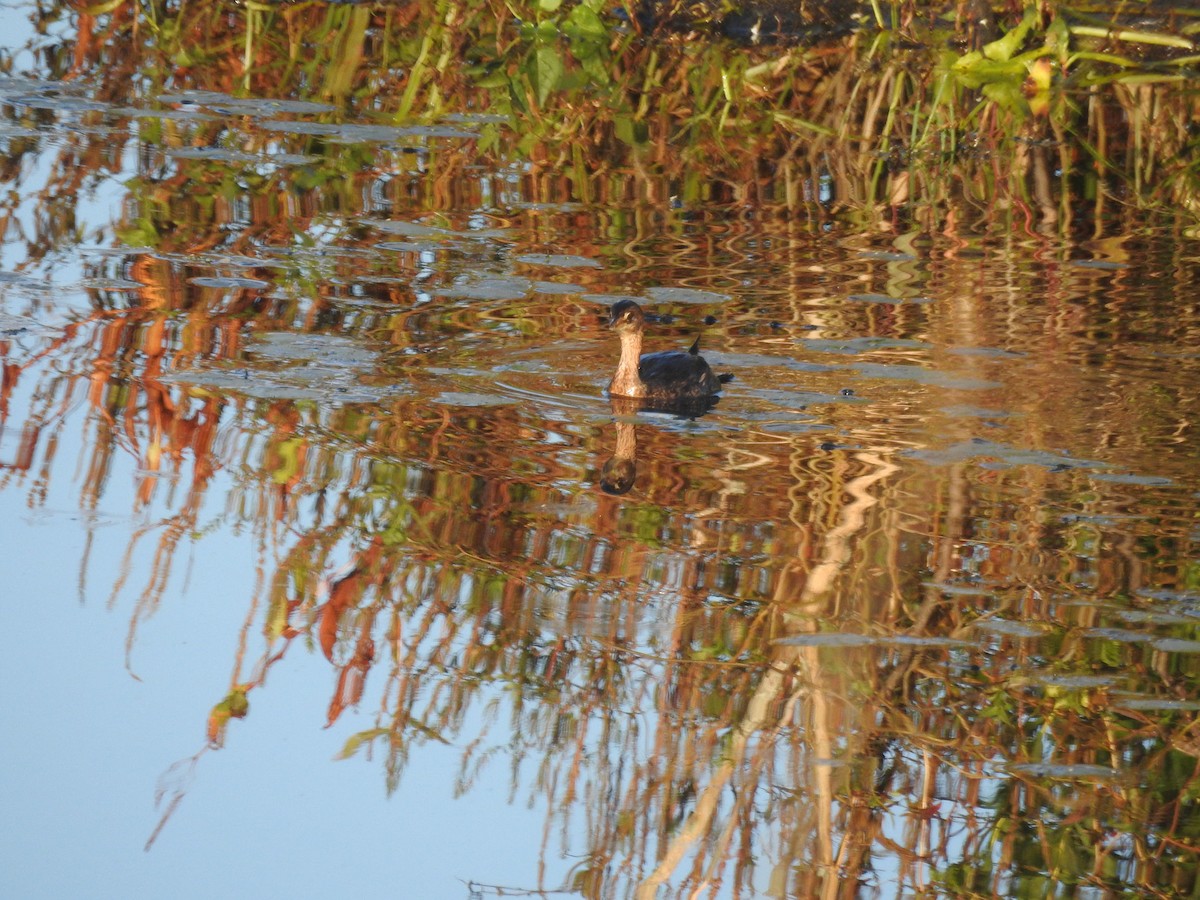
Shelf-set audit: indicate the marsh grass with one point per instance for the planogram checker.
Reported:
(1054, 114)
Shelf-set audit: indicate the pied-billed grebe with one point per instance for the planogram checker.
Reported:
(667, 376)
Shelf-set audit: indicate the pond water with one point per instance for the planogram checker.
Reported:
(312, 585)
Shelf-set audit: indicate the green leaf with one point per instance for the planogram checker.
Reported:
(101, 8)
(141, 234)
(277, 617)
(582, 50)
(494, 79)
(547, 73)
(1006, 94)
(238, 703)
(596, 69)
(356, 741)
(516, 94)
(549, 5)
(973, 70)
(1004, 48)
(583, 23)
(630, 131)
(289, 460)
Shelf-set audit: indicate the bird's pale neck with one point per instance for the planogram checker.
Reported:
(626, 440)
(627, 382)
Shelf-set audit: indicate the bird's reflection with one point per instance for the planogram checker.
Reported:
(619, 472)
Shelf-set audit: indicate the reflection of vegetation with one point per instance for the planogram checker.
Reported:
(1061, 106)
(661, 663)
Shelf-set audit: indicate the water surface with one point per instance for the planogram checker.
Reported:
(311, 584)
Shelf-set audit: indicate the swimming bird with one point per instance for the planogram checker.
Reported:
(666, 377)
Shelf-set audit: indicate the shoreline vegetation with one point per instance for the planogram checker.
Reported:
(1051, 113)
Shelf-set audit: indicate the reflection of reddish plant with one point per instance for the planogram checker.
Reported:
(344, 595)
(353, 676)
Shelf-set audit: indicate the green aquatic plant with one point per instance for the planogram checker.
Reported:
(1001, 72)
(888, 104)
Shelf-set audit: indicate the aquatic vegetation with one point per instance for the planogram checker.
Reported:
(1059, 103)
(322, 283)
